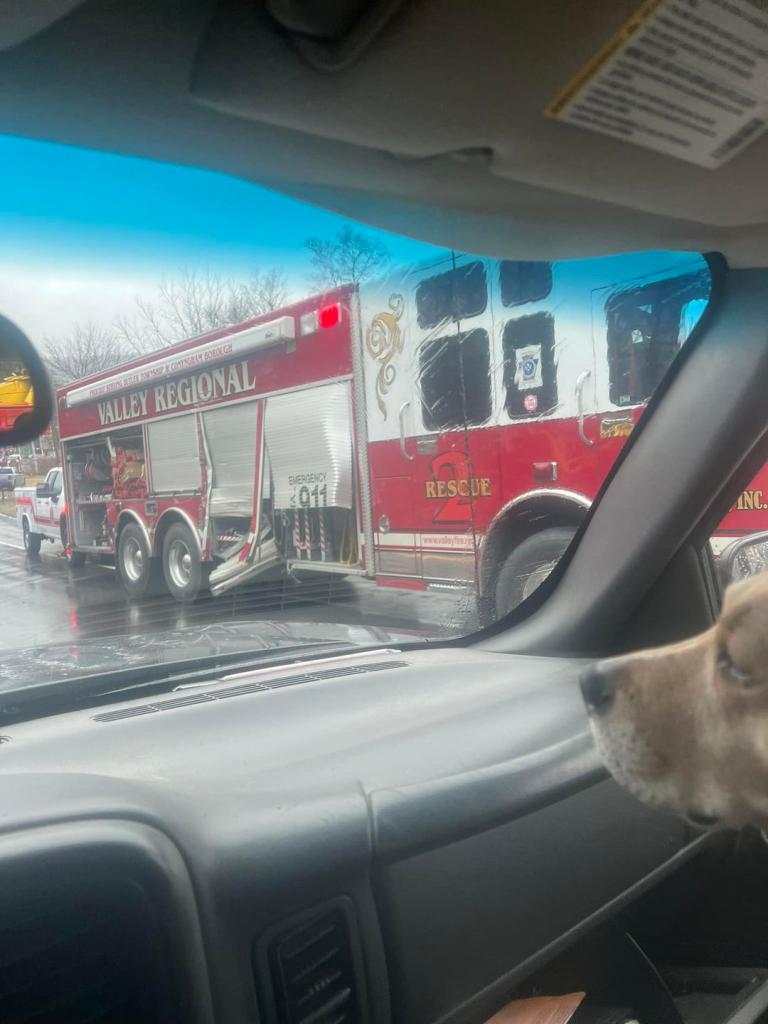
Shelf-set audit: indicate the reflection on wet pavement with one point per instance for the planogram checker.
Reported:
(44, 601)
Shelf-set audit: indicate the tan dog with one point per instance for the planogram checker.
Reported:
(685, 727)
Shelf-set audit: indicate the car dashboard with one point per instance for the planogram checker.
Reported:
(405, 835)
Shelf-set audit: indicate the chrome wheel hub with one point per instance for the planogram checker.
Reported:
(133, 560)
(180, 564)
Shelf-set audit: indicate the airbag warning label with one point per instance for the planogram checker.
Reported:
(688, 78)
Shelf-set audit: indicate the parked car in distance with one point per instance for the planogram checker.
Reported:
(10, 478)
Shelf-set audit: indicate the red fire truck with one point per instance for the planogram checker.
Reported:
(15, 398)
(445, 426)
(11, 414)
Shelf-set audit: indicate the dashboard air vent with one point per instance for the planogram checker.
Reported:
(313, 972)
(223, 692)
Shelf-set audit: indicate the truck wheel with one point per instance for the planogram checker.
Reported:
(528, 565)
(32, 541)
(183, 568)
(75, 559)
(139, 572)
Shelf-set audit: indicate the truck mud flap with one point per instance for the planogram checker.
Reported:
(235, 572)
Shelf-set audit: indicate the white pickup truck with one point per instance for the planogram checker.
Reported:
(41, 513)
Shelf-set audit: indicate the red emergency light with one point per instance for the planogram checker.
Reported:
(320, 319)
(329, 316)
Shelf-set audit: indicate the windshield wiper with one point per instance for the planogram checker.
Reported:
(94, 689)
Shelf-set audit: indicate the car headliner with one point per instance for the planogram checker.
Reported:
(436, 130)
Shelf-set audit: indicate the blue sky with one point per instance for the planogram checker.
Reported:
(82, 232)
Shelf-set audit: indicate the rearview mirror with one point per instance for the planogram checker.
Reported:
(41, 491)
(744, 557)
(26, 397)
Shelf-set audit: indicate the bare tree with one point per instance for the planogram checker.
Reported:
(196, 303)
(348, 257)
(266, 290)
(85, 350)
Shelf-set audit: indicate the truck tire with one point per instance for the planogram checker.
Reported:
(528, 565)
(75, 559)
(32, 541)
(138, 570)
(185, 574)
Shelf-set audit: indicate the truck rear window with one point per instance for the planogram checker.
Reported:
(455, 380)
(530, 370)
(454, 295)
(645, 328)
(521, 281)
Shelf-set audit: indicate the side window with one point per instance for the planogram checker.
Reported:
(530, 369)
(455, 382)
(454, 295)
(521, 281)
(645, 329)
(55, 483)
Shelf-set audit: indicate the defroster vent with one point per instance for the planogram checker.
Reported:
(313, 973)
(223, 692)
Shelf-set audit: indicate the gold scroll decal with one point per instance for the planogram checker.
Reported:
(383, 341)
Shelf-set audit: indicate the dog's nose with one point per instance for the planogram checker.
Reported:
(598, 687)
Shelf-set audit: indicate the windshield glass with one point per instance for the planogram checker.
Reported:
(275, 426)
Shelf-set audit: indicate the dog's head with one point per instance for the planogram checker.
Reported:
(686, 726)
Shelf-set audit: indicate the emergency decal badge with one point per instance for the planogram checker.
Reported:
(528, 367)
(383, 341)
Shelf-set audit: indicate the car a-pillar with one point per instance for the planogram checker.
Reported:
(522, 546)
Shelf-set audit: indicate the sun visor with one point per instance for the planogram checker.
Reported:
(20, 20)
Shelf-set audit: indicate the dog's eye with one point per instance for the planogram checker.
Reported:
(732, 672)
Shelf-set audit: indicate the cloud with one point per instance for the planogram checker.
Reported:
(48, 304)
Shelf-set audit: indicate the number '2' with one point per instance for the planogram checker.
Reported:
(458, 507)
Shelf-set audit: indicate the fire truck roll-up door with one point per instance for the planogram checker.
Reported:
(230, 434)
(309, 450)
(174, 454)
(301, 482)
(238, 491)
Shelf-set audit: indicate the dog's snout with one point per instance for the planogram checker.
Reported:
(598, 686)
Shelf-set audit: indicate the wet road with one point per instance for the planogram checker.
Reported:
(43, 601)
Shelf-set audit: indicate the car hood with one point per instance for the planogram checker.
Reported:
(58, 662)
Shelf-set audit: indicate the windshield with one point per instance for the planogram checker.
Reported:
(275, 426)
